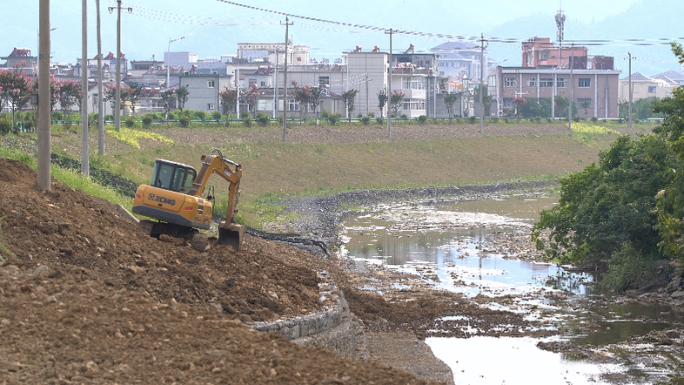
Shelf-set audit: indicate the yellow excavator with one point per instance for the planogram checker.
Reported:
(175, 199)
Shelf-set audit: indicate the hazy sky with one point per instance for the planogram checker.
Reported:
(153, 22)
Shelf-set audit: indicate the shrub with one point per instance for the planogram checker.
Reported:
(147, 120)
(247, 120)
(109, 117)
(380, 120)
(58, 115)
(403, 116)
(495, 120)
(371, 114)
(365, 120)
(5, 126)
(471, 120)
(627, 268)
(244, 115)
(422, 119)
(576, 118)
(325, 115)
(216, 115)
(130, 122)
(620, 120)
(505, 120)
(548, 120)
(184, 121)
(201, 115)
(334, 118)
(594, 119)
(262, 119)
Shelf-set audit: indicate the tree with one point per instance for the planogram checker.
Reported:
(16, 90)
(168, 101)
(518, 103)
(348, 98)
(110, 96)
(302, 95)
(228, 99)
(133, 94)
(182, 95)
(449, 101)
(251, 98)
(382, 100)
(69, 95)
(397, 102)
(316, 99)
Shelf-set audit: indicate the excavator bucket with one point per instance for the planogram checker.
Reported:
(231, 235)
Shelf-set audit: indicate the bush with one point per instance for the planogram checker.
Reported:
(471, 120)
(58, 115)
(422, 119)
(505, 120)
(548, 120)
(109, 117)
(495, 119)
(184, 121)
(5, 126)
(576, 118)
(620, 120)
(263, 119)
(594, 119)
(334, 118)
(627, 268)
(216, 115)
(371, 114)
(201, 115)
(130, 122)
(365, 120)
(247, 120)
(244, 115)
(380, 120)
(147, 120)
(325, 115)
(403, 116)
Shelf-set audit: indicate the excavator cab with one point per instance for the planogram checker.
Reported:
(173, 176)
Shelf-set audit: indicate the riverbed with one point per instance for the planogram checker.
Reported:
(480, 250)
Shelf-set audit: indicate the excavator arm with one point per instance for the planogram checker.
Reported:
(230, 233)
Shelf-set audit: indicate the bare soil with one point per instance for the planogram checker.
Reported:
(88, 298)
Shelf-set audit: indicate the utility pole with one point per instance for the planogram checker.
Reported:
(44, 97)
(630, 88)
(100, 98)
(117, 107)
(482, 48)
(85, 162)
(275, 84)
(389, 87)
(287, 25)
(572, 85)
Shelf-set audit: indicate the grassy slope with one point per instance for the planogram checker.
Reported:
(271, 166)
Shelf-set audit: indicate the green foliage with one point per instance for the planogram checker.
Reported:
(365, 120)
(380, 120)
(627, 269)
(594, 119)
(263, 119)
(471, 120)
(247, 120)
(216, 115)
(58, 115)
(130, 122)
(201, 115)
(495, 120)
(184, 121)
(334, 118)
(147, 120)
(5, 126)
(244, 115)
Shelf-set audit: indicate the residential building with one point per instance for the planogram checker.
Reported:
(644, 87)
(272, 53)
(459, 58)
(204, 90)
(20, 57)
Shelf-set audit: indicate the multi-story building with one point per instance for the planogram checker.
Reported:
(591, 82)
(458, 59)
(644, 87)
(20, 58)
(204, 90)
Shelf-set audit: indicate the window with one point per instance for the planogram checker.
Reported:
(210, 106)
(545, 82)
(412, 83)
(263, 84)
(562, 83)
(508, 102)
(510, 82)
(584, 103)
(651, 89)
(323, 80)
(211, 84)
(414, 104)
(543, 55)
(252, 82)
(264, 105)
(584, 82)
(292, 105)
(532, 82)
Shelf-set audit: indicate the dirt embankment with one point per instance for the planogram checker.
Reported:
(88, 298)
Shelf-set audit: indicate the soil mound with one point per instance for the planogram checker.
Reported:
(88, 298)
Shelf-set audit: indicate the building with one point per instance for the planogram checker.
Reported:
(204, 90)
(273, 53)
(20, 58)
(459, 58)
(590, 81)
(644, 87)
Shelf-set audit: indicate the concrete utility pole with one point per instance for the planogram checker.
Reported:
(287, 24)
(85, 162)
(572, 85)
(117, 107)
(44, 176)
(630, 89)
(100, 92)
(389, 87)
(482, 48)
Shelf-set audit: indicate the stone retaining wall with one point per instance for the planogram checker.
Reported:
(332, 328)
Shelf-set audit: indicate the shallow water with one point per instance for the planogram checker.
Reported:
(465, 246)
